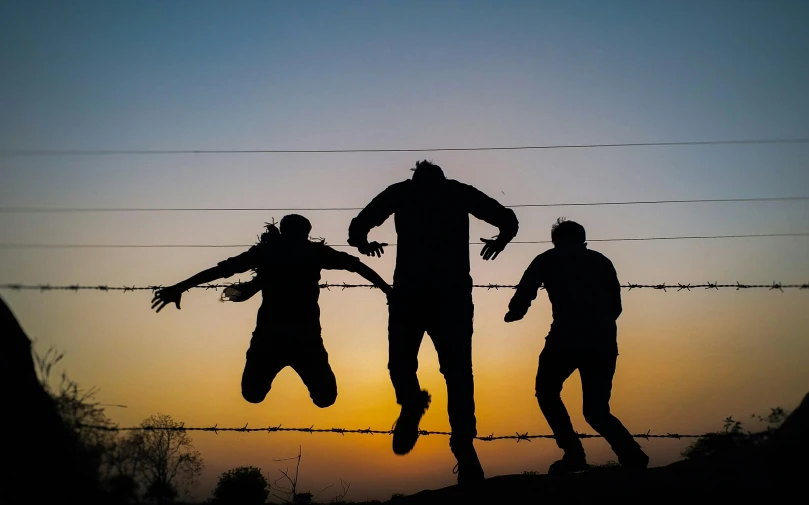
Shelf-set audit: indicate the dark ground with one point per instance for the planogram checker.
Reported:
(776, 471)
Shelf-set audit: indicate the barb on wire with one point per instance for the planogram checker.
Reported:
(343, 286)
(368, 431)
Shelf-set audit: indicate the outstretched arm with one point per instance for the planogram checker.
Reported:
(491, 211)
(172, 294)
(338, 260)
(376, 213)
(371, 276)
(526, 291)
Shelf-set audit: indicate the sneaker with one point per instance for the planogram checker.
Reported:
(569, 464)
(468, 467)
(636, 460)
(406, 429)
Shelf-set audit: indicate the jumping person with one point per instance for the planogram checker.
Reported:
(288, 331)
(433, 294)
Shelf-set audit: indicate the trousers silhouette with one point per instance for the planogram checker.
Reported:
(556, 365)
(448, 322)
(300, 348)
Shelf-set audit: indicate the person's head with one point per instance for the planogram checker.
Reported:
(567, 234)
(425, 172)
(295, 227)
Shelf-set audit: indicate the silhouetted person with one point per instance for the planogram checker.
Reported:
(288, 331)
(585, 296)
(433, 293)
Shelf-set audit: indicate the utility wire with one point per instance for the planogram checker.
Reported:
(223, 246)
(127, 152)
(20, 210)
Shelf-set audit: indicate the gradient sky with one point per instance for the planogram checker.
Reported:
(343, 75)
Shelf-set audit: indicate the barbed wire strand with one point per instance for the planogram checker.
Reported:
(775, 286)
(129, 152)
(368, 431)
(228, 246)
(20, 210)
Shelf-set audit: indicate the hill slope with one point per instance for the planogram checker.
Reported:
(774, 470)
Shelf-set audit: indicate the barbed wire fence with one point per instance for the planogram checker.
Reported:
(368, 431)
(775, 286)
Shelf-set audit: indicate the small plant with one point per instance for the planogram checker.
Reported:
(608, 464)
(291, 491)
(734, 438)
(341, 497)
(245, 485)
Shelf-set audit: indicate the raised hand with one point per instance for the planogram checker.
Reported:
(165, 296)
(491, 248)
(373, 249)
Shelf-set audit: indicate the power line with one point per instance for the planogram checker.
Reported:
(127, 152)
(224, 246)
(21, 210)
(342, 286)
(342, 431)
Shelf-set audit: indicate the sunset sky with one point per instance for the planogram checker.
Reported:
(362, 75)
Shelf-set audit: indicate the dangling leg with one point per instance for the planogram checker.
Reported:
(311, 362)
(263, 363)
(404, 339)
(451, 333)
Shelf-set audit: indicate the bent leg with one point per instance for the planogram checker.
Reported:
(554, 368)
(261, 367)
(597, 371)
(312, 365)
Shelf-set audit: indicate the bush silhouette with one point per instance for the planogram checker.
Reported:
(733, 439)
(244, 485)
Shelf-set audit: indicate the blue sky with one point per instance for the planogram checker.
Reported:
(354, 75)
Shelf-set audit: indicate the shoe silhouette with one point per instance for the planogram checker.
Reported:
(635, 460)
(406, 428)
(468, 468)
(568, 464)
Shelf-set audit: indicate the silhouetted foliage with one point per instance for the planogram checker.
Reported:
(103, 454)
(244, 485)
(733, 438)
(123, 488)
(303, 498)
(161, 463)
(76, 407)
(170, 464)
(341, 497)
(161, 491)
